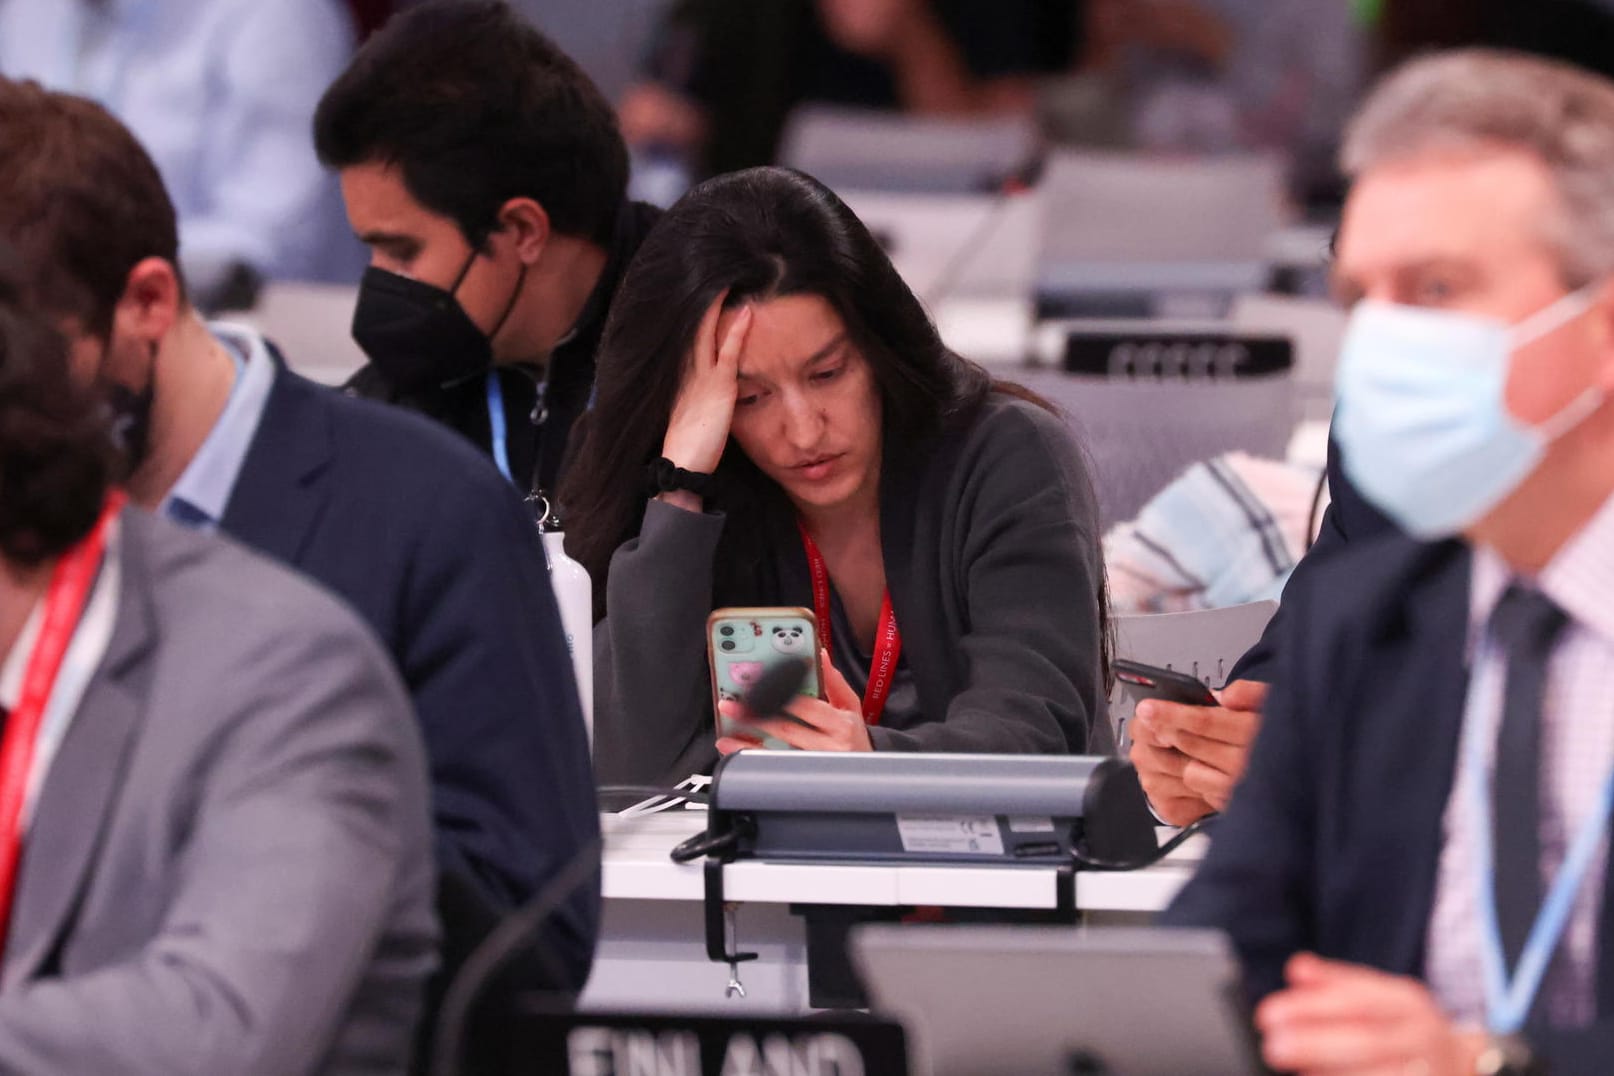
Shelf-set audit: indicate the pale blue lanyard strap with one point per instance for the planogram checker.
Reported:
(496, 424)
(1508, 1001)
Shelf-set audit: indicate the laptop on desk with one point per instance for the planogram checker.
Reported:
(1040, 1001)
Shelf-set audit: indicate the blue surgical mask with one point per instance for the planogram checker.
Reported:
(1422, 419)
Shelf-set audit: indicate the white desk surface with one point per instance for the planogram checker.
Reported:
(637, 867)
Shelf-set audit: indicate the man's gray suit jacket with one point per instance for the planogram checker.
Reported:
(229, 868)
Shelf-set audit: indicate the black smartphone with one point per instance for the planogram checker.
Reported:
(1167, 685)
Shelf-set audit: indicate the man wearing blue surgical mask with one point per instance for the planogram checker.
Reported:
(1447, 405)
(1414, 867)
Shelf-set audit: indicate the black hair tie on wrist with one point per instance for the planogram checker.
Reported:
(665, 476)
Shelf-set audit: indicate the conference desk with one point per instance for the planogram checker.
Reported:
(652, 953)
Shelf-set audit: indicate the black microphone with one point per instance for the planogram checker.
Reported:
(778, 684)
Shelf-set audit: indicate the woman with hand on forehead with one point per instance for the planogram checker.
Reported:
(775, 410)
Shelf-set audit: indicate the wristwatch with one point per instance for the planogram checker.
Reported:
(1507, 1055)
(665, 476)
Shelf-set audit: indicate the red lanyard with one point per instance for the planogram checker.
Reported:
(65, 599)
(887, 639)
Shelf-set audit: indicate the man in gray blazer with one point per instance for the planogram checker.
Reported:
(227, 867)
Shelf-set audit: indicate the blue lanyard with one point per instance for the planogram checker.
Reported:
(496, 423)
(1508, 1001)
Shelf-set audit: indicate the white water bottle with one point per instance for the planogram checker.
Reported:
(574, 593)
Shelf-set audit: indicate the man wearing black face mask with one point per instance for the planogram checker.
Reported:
(129, 412)
(487, 176)
(397, 516)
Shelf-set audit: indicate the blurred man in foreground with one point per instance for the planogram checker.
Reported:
(215, 846)
(1414, 866)
(396, 516)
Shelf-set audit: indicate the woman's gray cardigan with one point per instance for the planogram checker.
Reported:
(993, 564)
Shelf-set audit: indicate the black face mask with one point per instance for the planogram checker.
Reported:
(418, 335)
(129, 413)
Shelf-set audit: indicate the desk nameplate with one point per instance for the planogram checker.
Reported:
(619, 1044)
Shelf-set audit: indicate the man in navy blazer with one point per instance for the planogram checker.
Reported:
(399, 517)
(1437, 756)
(435, 550)
(228, 857)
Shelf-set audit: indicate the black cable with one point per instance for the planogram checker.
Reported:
(499, 948)
(1312, 513)
(947, 278)
(702, 845)
(1092, 863)
(655, 792)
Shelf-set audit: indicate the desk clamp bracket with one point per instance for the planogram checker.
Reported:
(722, 933)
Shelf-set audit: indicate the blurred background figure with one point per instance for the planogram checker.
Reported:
(722, 76)
(1215, 76)
(606, 39)
(222, 94)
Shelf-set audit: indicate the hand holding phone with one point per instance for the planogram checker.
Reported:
(1190, 754)
(833, 723)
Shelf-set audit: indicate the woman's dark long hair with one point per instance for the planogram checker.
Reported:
(757, 234)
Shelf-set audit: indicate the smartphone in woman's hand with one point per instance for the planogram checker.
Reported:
(744, 643)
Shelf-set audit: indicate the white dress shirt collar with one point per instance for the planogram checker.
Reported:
(207, 483)
(1580, 579)
(16, 663)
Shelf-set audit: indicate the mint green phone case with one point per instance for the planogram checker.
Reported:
(744, 643)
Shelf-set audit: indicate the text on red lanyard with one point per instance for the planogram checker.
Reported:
(887, 637)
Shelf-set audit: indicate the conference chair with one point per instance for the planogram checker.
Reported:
(1140, 431)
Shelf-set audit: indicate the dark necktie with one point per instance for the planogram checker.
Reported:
(1525, 625)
